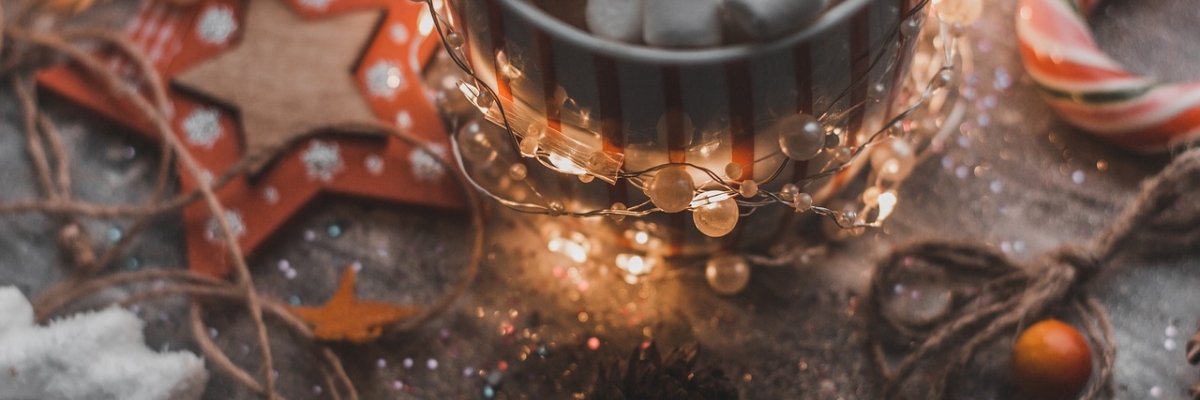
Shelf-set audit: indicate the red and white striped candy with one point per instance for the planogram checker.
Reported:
(1095, 93)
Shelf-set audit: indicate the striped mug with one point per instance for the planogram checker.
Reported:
(642, 107)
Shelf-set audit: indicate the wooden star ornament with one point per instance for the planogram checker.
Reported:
(346, 318)
(252, 74)
(280, 87)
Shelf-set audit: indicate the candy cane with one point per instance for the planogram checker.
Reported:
(1095, 93)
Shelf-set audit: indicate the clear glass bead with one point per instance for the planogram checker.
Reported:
(672, 189)
(716, 219)
(727, 274)
(801, 136)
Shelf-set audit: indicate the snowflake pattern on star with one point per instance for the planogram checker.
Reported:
(399, 33)
(322, 160)
(271, 195)
(404, 121)
(236, 224)
(202, 127)
(425, 166)
(374, 164)
(384, 79)
(216, 25)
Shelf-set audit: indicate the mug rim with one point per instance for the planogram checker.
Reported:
(675, 56)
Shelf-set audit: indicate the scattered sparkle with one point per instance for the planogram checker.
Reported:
(1001, 80)
(317, 389)
(216, 25)
(962, 172)
(322, 160)
(115, 234)
(290, 274)
(408, 363)
(380, 363)
(202, 127)
(374, 164)
(432, 363)
(236, 225)
(128, 152)
(133, 264)
(384, 79)
(397, 385)
(212, 333)
(989, 101)
(425, 166)
(294, 300)
(1171, 331)
(1077, 177)
(284, 265)
(1169, 344)
(1156, 391)
(334, 230)
(593, 343)
(309, 235)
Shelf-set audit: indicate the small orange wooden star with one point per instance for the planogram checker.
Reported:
(345, 318)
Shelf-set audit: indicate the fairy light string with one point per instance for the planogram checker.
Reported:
(933, 91)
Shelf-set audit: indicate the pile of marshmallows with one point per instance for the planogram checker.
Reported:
(697, 23)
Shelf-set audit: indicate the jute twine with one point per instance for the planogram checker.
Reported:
(1164, 218)
(23, 49)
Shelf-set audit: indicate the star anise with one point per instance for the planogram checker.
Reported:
(649, 376)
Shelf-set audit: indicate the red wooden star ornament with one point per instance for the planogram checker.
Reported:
(250, 75)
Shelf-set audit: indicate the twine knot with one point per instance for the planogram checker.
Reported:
(999, 296)
(1083, 265)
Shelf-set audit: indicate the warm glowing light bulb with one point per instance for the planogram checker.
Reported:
(565, 165)
(887, 204)
(425, 22)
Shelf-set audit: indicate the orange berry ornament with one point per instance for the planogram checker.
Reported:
(1051, 361)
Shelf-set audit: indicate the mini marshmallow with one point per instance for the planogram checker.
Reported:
(616, 19)
(770, 18)
(682, 23)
